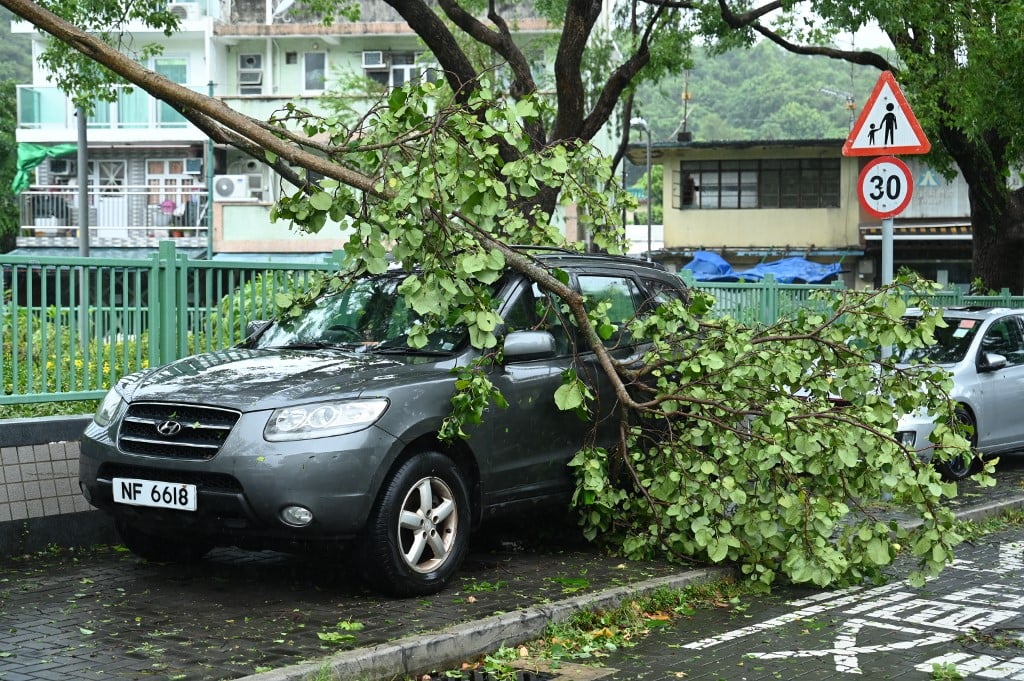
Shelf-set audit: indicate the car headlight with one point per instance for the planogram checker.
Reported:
(109, 406)
(309, 421)
(907, 438)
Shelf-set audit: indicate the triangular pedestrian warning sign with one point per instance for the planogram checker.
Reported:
(886, 124)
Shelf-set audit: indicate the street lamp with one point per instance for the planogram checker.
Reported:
(641, 124)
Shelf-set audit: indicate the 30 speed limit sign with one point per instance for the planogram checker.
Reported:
(885, 186)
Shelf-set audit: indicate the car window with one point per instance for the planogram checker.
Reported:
(622, 296)
(1004, 338)
(659, 292)
(533, 310)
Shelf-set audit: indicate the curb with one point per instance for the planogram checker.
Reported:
(453, 645)
(991, 509)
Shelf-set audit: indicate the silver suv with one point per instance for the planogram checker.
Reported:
(984, 351)
(323, 430)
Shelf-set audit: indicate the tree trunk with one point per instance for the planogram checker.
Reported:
(997, 213)
(998, 249)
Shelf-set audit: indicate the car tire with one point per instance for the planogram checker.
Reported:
(960, 468)
(158, 548)
(418, 530)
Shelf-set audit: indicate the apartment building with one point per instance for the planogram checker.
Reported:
(152, 175)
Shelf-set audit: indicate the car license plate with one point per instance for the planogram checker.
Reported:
(153, 493)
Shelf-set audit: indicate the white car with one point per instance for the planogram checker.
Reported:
(983, 349)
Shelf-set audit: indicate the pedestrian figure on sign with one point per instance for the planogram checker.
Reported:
(889, 123)
(871, 133)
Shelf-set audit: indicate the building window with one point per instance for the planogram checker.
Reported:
(766, 183)
(168, 185)
(314, 71)
(401, 68)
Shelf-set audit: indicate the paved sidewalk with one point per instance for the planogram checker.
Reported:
(104, 614)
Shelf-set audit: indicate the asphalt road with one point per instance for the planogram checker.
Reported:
(969, 621)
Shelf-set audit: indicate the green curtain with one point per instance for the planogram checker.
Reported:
(30, 156)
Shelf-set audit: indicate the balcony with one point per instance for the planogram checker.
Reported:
(46, 114)
(119, 216)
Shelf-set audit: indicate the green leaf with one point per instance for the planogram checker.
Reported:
(568, 397)
(321, 201)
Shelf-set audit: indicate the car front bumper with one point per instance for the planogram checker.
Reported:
(914, 432)
(243, 489)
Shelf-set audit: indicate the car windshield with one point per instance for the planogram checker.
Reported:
(366, 315)
(951, 342)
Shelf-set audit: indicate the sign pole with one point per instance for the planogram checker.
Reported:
(887, 236)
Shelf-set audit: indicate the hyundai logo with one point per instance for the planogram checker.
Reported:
(168, 428)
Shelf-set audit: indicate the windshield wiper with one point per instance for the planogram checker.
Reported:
(406, 350)
(317, 345)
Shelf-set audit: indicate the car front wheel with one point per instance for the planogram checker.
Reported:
(418, 531)
(964, 466)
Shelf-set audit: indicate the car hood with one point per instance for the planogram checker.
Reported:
(251, 380)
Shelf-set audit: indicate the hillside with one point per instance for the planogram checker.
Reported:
(762, 93)
(15, 52)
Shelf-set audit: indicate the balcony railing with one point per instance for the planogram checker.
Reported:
(118, 215)
(42, 107)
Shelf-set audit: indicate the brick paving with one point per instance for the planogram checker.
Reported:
(102, 613)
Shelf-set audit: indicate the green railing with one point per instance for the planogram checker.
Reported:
(72, 326)
(765, 301)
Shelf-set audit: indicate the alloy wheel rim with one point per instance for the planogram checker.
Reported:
(428, 524)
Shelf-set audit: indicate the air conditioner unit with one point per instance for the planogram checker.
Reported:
(62, 166)
(231, 188)
(255, 182)
(247, 62)
(184, 10)
(193, 166)
(374, 59)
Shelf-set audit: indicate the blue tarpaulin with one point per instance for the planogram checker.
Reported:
(707, 266)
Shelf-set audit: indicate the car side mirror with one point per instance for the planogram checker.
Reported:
(526, 345)
(991, 361)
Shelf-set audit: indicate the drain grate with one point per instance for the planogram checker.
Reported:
(521, 675)
(538, 671)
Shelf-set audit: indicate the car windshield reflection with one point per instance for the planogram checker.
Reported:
(951, 343)
(367, 315)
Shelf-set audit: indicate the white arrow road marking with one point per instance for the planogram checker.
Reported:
(846, 649)
(852, 596)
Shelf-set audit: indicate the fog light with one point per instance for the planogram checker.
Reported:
(297, 515)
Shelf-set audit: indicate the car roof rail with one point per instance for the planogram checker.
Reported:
(558, 250)
(544, 249)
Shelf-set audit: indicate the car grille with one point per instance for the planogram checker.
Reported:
(206, 482)
(175, 431)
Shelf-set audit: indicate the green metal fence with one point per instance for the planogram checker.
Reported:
(72, 326)
(765, 301)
